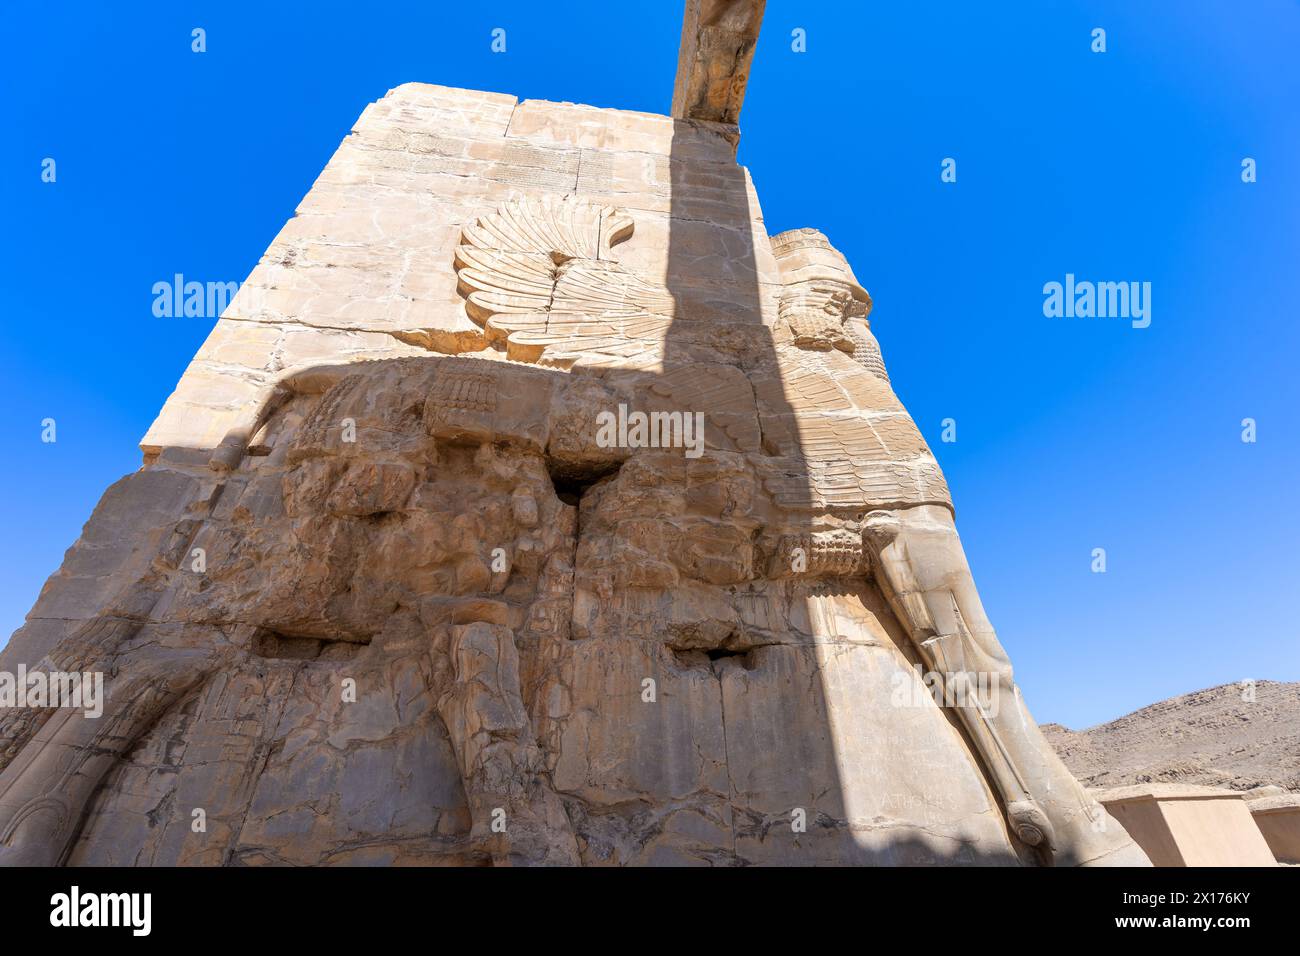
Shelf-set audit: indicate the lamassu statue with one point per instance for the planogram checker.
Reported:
(415, 609)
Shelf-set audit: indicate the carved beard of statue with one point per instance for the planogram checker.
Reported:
(866, 350)
(816, 312)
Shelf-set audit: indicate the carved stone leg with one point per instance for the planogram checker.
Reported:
(922, 569)
(17, 727)
(45, 788)
(515, 812)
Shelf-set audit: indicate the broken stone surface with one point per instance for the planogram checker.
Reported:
(718, 40)
(382, 594)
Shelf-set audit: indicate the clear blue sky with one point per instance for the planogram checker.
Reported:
(1072, 434)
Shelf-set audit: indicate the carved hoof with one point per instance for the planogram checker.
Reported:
(1031, 824)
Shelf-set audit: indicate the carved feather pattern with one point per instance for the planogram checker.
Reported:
(539, 273)
(841, 436)
(565, 228)
(821, 381)
(846, 461)
(722, 392)
(562, 338)
(584, 286)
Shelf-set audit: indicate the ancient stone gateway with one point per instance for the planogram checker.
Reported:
(384, 591)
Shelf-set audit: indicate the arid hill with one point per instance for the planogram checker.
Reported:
(1217, 737)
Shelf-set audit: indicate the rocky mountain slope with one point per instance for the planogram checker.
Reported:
(1217, 737)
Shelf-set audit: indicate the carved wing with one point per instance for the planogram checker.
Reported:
(842, 439)
(539, 275)
(722, 392)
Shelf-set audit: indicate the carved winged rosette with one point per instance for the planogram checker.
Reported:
(539, 275)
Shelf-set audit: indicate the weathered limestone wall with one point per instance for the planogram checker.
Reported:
(365, 265)
(509, 690)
